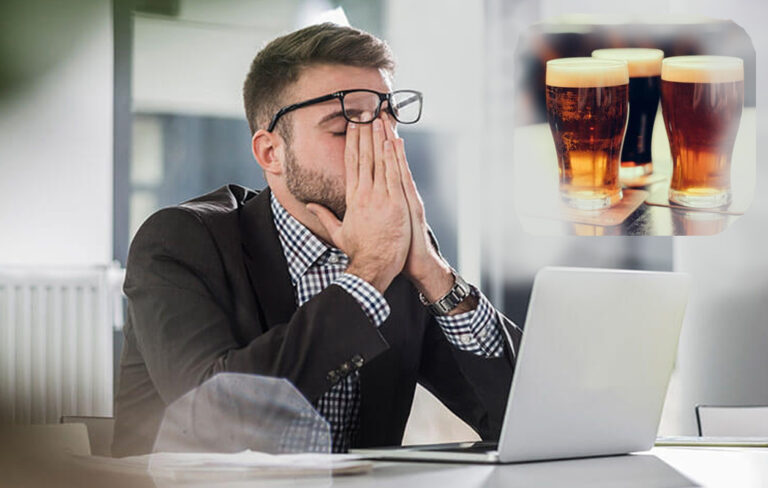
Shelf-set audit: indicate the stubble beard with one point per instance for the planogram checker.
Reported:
(311, 186)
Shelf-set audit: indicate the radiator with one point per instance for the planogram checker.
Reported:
(55, 344)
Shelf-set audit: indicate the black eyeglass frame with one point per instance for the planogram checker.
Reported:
(339, 95)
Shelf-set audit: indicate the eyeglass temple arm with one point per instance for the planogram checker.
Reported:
(296, 106)
(408, 101)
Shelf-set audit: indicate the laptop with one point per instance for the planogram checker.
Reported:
(591, 375)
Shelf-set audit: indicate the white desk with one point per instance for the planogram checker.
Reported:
(662, 467)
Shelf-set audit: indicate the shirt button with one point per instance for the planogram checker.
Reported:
(333, 259)
(466, 339)
(484, 332)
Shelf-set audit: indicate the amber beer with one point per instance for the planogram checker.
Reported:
(644, 90)
(587, 104)
(701, 101)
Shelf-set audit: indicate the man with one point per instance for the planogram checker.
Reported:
(323, 277)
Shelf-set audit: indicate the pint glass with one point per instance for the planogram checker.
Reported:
(587, 103)
(644, 85)
(701, 101)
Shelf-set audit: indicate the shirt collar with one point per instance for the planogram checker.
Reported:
(300, 246)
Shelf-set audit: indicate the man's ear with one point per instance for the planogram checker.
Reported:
(267, 148)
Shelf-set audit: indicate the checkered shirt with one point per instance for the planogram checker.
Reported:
(313, 266)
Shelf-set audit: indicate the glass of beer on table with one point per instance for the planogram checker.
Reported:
(644, 90)
(701, 101)
(587, 104)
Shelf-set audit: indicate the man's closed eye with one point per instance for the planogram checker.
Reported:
(338, 129)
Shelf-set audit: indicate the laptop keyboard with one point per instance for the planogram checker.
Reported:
(479, 447)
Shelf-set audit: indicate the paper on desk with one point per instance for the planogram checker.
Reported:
(219, 466)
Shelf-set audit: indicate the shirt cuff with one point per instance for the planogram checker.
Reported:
(373, 303)
(476, 331)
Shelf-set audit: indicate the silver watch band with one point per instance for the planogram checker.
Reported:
(458, 292)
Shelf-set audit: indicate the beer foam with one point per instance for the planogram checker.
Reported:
(642, 62)
(702, 69)
(586, 72)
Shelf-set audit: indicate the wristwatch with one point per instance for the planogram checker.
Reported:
(451, 300)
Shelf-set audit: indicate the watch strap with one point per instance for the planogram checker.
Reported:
(458, 292)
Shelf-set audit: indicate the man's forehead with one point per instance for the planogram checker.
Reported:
(322, 79)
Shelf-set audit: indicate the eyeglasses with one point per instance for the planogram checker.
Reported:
(403, 105)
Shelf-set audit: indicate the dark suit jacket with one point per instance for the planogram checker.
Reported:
(209, 292)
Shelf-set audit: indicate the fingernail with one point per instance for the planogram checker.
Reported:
(351, 125)
(377, 125)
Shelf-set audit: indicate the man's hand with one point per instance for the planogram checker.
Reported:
(376, 230)
(423, 266)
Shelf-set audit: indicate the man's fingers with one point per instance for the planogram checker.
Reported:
(328, 220)
(405, 171)
(394, 183)
(351, 157)
(389, 130)
(365, 151)
(379, 171)
(411, 193)
(399, 150)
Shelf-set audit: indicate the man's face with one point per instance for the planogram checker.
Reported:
(314, 166)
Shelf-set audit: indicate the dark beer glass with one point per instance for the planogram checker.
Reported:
(701, 99)
(587, 104)
(644, 90)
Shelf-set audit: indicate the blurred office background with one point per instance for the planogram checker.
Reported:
(111, 110)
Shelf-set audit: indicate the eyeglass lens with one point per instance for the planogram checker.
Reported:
(357, 103)
(405, 105)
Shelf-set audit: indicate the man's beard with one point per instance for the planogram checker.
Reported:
(311, 186)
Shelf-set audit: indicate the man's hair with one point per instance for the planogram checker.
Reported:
(280, 63)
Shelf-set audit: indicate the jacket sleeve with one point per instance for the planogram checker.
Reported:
(473, 387)
(185, 333)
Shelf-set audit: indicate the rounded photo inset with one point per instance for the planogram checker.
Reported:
(636, 129)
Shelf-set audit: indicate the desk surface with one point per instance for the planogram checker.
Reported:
(662, 467)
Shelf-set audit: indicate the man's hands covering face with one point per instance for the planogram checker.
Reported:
(376, 230)
(384, 231)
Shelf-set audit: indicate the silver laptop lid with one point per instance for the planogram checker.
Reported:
(597, 352)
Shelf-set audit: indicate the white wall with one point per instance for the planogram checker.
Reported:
(192, 68)
(723, 356)
(56, 145)
(609, 9)
(196, 62)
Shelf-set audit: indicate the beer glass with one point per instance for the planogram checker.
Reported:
(644, 90)
(701, 101)
(587, 104)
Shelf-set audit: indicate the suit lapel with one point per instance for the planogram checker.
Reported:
(265, 261)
